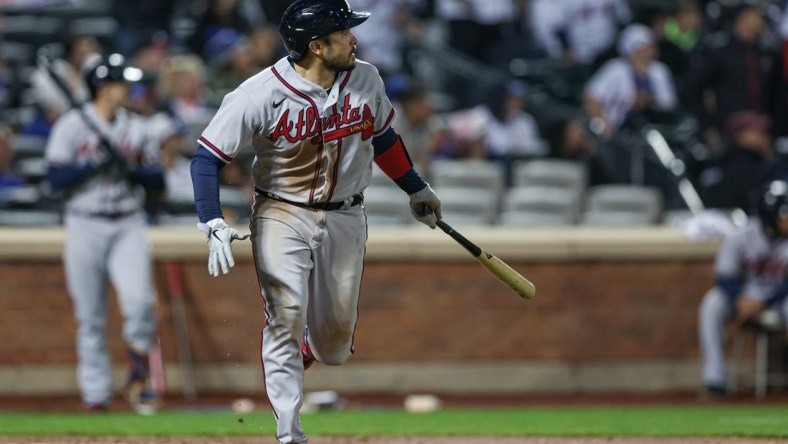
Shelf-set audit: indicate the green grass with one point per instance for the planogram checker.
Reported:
(753, 421)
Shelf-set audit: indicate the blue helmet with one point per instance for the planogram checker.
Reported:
(307, 20)
(108, 70)
(773, 204)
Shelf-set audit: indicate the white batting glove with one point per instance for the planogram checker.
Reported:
(220, 238)
(425, 206)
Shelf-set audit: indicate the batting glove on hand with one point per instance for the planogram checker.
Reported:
(425, 206)
(220, 238)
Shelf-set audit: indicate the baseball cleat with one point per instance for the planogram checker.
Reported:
(141, 399)
(306, 353)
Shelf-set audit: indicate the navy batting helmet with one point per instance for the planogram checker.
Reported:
(306, 20)
(773, 204)
(111, 69)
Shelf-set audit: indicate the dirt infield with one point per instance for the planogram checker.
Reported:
(377, 440)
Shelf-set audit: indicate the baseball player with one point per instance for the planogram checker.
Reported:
(316, 119)
(751, 273)
(97, 156)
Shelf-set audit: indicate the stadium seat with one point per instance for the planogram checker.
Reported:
(768, 323)
(33, 30)
(622, 205)
(475, 174)
(468, 206)
(566, 174)
(386, 205)
(540, 206)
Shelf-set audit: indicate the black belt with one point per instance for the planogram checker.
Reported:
(356, 199)
(108, 216)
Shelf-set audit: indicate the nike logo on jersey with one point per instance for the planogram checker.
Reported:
(276, 104)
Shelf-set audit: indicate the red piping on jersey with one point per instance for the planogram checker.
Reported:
(336, 164)
(344, 82)
(213, 148)
(386, 125)
(394, 161)
(319, 128)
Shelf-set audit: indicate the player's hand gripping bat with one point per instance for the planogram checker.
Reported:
(497, 267)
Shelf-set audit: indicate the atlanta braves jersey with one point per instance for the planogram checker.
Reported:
(74, 143)
(311, 145)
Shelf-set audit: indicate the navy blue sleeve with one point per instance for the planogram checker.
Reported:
(778, 294)
(149, 176)
(205, 179)
(61, 177)
(731, 286)
(383, 141)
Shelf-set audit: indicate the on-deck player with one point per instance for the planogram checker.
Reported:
(752, 274)
(106, 229)
(316, 120)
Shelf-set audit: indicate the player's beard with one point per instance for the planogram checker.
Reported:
(338, 64)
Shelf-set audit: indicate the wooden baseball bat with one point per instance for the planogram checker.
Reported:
(497, 267)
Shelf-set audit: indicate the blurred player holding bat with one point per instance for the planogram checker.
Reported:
(98, 155)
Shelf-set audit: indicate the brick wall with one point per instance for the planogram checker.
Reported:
(585, 310)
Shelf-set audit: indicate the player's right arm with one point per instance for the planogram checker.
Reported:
(64, 170)
(230, 129)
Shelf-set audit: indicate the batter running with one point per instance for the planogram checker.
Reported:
(316, 120)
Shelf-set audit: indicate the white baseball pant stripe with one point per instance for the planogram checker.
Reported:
(306, 259)
(97, 249)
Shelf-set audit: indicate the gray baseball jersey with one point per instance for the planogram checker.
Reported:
(73, 142)
(310, 145)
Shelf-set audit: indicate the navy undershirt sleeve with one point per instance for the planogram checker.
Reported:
(778, 294)
(205, 179)
(731, 286)
(149, 176)
(61, 177)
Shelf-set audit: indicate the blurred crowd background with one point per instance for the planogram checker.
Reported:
(519, 112)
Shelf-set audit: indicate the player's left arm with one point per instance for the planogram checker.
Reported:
(392, 158)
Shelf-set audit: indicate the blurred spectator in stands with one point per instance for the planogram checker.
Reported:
(182, 89)
(49, 98)
(152, 53)
(465, 137)
(784, 36)
(675, 32)
(511, 132)
(420, 128)
(138, 21)
(381, 37)
(273, 9)
(232, 67)
(8, 180)
(729, 180)
(582, 29)
(7, 84)
(684, 25)
(475, 25)
(736, 70)
(265, 46)
(224, 23)
(630, 84)
(569, 139)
